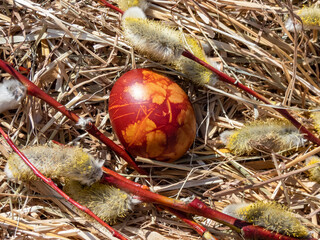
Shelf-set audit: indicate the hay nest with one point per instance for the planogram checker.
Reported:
(75, 51)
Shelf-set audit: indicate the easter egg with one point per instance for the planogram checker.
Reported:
(151, 115)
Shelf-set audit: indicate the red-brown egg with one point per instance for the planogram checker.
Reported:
(151, 115)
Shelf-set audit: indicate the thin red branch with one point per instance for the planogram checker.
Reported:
(227, 79)
(196, 226)
(126, 180)
(35, 91)
(202, 231)
(109, 5)
(255, 232)
(195, 207)
(49, 182)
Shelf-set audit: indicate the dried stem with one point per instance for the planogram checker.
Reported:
(49, 182)
(35, 91)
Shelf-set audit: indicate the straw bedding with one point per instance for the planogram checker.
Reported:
(75, 51)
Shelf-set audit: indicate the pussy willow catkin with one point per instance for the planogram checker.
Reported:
(151, 38)
(55, 162)
(107, 202)
(197, 73)
(314, 173)
(270, 134)
(270, 215)
(164, 44)
(310, 17)
(12, 92)
(315, 116)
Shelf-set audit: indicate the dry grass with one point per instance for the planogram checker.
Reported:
(76, 51)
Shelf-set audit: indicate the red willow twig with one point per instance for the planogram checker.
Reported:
(49, 182)
(249, 232)
(227, 79)
(202, 231)
(109, 5)
(194, 207)
(35, 91)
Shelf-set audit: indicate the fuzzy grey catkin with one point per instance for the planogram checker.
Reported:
(197, 73)
(164, 44)
(270, 134)
(151, 38)
(314, 173)
(107, 202)
(55, 162)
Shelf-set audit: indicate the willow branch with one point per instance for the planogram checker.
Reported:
(195, 207)
(50, 183)
(35, 91)
(227, 79)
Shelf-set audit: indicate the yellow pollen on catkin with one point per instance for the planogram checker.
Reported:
(314, 173)
(194, 47)
(270, 135)
(274, 217)
(165, 44)
(105, 201)
(194, 71)
(55, 162)
(310, 16)
(153, 39)
(316, 119)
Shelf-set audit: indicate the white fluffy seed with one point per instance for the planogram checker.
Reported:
(11, 94)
